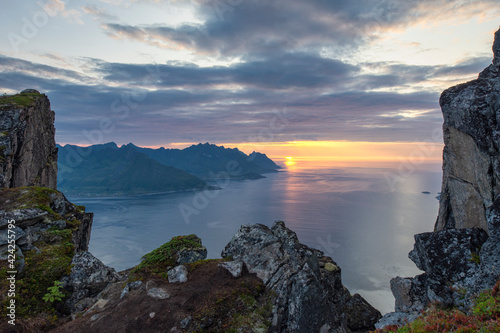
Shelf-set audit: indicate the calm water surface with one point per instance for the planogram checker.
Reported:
(351, 212)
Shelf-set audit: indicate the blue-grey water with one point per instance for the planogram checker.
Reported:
(363, 217)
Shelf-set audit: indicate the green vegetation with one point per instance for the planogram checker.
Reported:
(45, 265)
(475, 258)
(27, 197)
(485, 317)
(50, 263)
(54, 293)
(158, 260)
(21, 100)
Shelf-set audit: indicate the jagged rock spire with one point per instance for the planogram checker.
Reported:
(496, 49)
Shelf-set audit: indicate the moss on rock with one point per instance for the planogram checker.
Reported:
(160, 259)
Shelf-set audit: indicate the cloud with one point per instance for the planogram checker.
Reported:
(298, 70)
(261, 28)
(99, 13)
(58, 7)
(182, 108)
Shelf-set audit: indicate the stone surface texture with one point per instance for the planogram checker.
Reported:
(309, 298)
(28, 153)
(471, 164)
(178, 274)
(88, 277)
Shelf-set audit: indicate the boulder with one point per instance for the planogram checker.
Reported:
(360, 314)
(177, 274)
(186, 256)
(24, 217)
(88, 277)
(450, 254)
(158, 293)
(233, 267)
(309, 298)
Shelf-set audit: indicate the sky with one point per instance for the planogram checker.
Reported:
(287, 77)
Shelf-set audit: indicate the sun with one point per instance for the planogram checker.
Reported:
(289, 161)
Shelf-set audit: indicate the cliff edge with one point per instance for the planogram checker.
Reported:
(462, 256)
(28, 153)
(43, 236)
(471, 164)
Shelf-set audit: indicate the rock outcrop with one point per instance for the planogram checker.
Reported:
(462, 256)
(28, 153)
(471, 163)
(35, 210)
(50, 232)
(310, 296)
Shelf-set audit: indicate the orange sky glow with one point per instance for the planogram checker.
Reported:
(340, 151)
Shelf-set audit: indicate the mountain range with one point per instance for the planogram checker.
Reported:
(107, 169)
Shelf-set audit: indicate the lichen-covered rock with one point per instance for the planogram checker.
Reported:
(458, 263)
(309, 298)
(88, 277)
(189, 255)
(451, 254)
(177, 274)
(49, 231)
(28, 153)
(158, 293)
(36, 209)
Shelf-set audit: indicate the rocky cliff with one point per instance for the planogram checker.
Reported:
(43, 236)
(471, 163)
(462, 256)
(28, 153)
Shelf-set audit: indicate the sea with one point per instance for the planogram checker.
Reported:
(362, 214)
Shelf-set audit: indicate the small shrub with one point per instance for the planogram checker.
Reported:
(54, 293)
